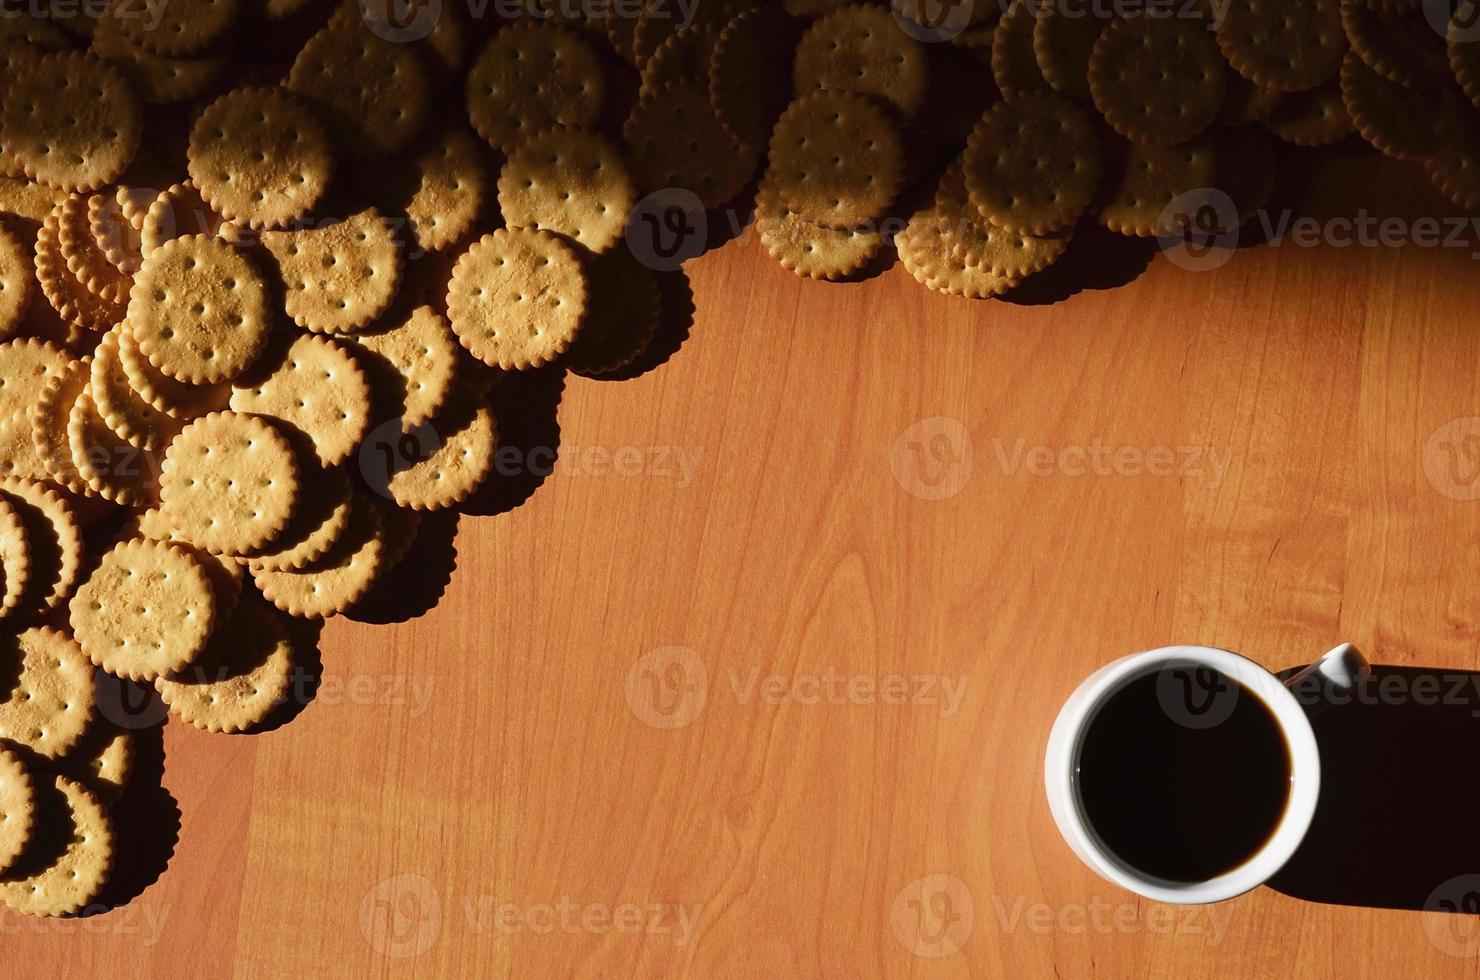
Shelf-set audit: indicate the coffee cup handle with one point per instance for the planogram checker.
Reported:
(1342, 667)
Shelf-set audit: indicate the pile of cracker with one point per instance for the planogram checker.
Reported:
(264, 263)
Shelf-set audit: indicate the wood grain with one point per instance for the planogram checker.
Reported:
(479, 791)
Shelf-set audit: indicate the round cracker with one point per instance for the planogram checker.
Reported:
(1065, 35)
(750, 70)
(51, 453)
(836, 159)
(109, 219)
(51, 701)
(1401, 122)
(226, 573)
(126, 411)
(17, 282)
(675, 140)
(339, 276)
(85, 258)
(682, 57)
(179, 28)
(229, 483)
(109, 466)
(979, 244)
(147, 609)
(416, 360)
(159, 79)
(199, 310)
(28, 199)
(1157, 79)
(73, 842)
(17, 807)
(318, 522)
(239, 678)
(1401, 48)
(314, 387)
(15, 557)
(1014, 55)
(179, 212)
(530, 77)
(1033, 165)
(177, 399)
(259, 157)
(73, 301)
(926, 254)
(337, 580)
(373, 94)
(861, 49)
(517, 298)
(805, 248)
(1286, 45)
(465, 439)
(1148, 183)
(55, 539)
(447, 190)
(70, 121)
(569, 182)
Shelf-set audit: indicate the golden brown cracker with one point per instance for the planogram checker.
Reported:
(70, 855)
(1033, 165)
(239, 678)
(55, 539)
(517, 298)
(340, 578)
(312, 386)
(860, 49)
(373, 94)
(809, 249)
(416, 357)
(338, 276)
(570, 182)
(51, 700)
(1285, 45)
(1157, 79)
(530, 77)
(836, 159)
(675, 141)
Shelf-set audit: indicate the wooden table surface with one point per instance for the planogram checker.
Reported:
(758, 682)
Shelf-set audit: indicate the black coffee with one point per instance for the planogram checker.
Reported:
(1184, 774)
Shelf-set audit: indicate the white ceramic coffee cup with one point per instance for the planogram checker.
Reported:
(1339, 668)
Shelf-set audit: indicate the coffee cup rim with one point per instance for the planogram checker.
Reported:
(1067, 739)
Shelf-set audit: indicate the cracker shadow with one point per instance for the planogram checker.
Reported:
(417, 583)
(1097, 259)
(146, 826)
(305, 680)
(675, 321)
(526, 406)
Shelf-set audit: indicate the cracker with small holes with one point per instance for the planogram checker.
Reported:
(372, 94)
(456, 466)
(750, 72)
(926, 254)
(229, 483)
(320, 519)
(51, 701)
(339, 578)
(444, 46)
(178, 212)
(199, 310)
(413, 361)
(17, 807)
(805, 248)
(1157, 79)
(1014, 58)
(979, 244)
(177, 399)
(28, 199)
(1285, 45)
(621, 314)
(675, 140)
(15, 557)
(1401, 122)
(113, 230)
(338, 276)
(1402, 48)
(159, 79)
(447, 188)
(682, 57)
(127, 412)
(1033, 165)
(73, 301)
(1455, 168)
(27, 366)
(102, 760)
(1151, 190)
(530, 77)
(861, 49)
(147, 609)
(1311, 118)
(570, 182)
(517, 298)
(17, 282)
(84, 256)
(313, 386)
(1464, 58)
(260, 158)
(54, 536)
(70, 854)
(70, 121)
(1065, 34)
(225, 572)
(239, 678)
(177, 29)
(109, 466)
(51, 449)
(836, 159)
